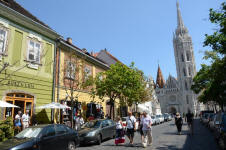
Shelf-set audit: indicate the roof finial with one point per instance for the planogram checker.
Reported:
(179, 18)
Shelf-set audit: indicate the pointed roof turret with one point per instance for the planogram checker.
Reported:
(160, 80)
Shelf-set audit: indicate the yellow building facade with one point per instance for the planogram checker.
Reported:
(73, 67)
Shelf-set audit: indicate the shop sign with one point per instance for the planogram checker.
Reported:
(21, 84)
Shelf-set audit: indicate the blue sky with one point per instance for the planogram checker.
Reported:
(131, 30)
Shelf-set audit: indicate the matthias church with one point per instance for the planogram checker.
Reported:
(175, 94)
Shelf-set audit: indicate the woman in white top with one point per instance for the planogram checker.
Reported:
(120, 136)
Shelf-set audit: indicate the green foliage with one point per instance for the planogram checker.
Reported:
(6, 129)
(122, 82)
(210, 81)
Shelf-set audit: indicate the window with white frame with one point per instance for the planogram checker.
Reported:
(34, 51)
(3, 40)
(70, 71)
(87, 72)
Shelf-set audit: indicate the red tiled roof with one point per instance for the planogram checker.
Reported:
(18, 8)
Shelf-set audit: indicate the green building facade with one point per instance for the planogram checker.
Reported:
(27, 51)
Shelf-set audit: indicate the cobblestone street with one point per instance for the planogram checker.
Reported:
(165, 138)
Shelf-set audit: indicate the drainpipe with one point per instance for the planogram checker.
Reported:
(54, 82)
(58, 82)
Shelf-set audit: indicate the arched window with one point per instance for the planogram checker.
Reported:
(182, 57)
(189, 71)
(188, 55)
(184, 71)
(186, 85)
(187, 99)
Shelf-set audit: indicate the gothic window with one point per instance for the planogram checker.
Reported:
(187, 99)
(182, 57)
(189, 71)
(184, 71)
(188, 55)
(186, 85)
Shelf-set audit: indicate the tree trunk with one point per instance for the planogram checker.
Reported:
(72, 118)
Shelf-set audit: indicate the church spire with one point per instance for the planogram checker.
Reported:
(160, 80)
(179, 18)
(181, 29)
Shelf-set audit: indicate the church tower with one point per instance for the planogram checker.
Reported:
(185, 64)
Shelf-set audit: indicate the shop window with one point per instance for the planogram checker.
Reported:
(24, 101)
(3, 40)
(70, 71)
(34, 51)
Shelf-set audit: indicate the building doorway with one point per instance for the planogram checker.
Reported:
(24, 101)
(173, 110)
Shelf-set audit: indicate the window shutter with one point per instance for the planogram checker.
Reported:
(17, 47)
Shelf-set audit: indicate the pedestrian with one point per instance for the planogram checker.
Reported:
(81, 120)
(120, 135)
(18, 122)
(77, 123)
(146, 121)
(26, 119)
(189, 119)
(178, 122)
(131, 127)
(141, 126)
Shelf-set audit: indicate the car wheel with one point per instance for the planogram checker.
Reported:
(99, 139)
(71, 145)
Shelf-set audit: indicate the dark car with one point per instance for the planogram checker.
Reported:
(43, 137)
(97, 130)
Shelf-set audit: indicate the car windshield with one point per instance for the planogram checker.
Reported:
(29, 133)
(92, 124)
(124, 119)
(152, 117)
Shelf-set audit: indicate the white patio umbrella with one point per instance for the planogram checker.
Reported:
(5, 104)
(54, 105)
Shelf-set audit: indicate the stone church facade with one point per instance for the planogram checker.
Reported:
(175, 94)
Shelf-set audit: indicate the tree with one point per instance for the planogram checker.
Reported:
(123, 83)
(210, 81)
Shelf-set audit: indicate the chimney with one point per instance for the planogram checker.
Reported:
(92, 53)
(69, 40)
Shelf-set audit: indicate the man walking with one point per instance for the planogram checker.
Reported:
(146, 121)
(189, 118)
(26, 119)
(131, 127)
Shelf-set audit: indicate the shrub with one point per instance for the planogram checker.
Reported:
(6, 129)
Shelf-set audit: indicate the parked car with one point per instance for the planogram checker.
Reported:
(213, 122)
(157, 120)
(124, 123)
(161, 118)
(43, 137)
(153, 119)
(206, 118)
(167, 117)
(97, 130)
(221, 130)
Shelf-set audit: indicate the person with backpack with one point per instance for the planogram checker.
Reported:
(131, 127)
(179, 123)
